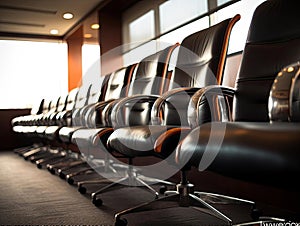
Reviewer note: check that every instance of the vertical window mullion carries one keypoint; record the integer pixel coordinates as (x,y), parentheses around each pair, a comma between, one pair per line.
(212,4)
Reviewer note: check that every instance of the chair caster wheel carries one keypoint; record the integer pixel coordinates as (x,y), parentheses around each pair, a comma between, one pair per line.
(39,166)
(255,213)
(70,180)
(62,176)
(121,222)
(97,201)
(51,170)
(82,190)
(163,189)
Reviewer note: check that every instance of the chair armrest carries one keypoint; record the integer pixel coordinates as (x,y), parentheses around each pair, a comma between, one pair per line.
(80,116)
(156,116)
(284,98)
(64,118)
(93,115)
(214,100)
(128,103)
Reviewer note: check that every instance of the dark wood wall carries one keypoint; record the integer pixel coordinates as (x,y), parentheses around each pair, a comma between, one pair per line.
(9,139)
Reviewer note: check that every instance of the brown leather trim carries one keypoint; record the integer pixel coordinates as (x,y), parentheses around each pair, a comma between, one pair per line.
(133,67)
(165,71)
(104,88)
(217,113)
(222,61)
(169,133)
(100,134)
(167,81)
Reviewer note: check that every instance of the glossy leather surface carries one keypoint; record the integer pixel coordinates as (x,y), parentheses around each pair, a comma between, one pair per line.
(148,80)
(197,65)
(143,144)
(272,44)
(257,152)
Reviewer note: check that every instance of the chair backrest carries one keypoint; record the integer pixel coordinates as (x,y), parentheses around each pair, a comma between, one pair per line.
(111,86)
(118,83)
(149,79)
(273,42)
(46,106)
(47,118)
(82,100)
(82,96)
(200,62)
(38,120)
(54,105)
(71,99)
(38,108)
(151,72)
(62,103)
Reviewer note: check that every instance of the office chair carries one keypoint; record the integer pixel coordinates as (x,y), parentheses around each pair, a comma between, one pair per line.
(113,88)
(30,127)
(47,125)
(226,147)
(81,99)
(18,124)
(200,62)
(149,77)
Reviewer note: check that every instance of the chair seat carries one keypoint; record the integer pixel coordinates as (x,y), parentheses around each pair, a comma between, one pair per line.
(40,130)
(65,133)
(51,133)
(256,152)
(141,140)
(84,138)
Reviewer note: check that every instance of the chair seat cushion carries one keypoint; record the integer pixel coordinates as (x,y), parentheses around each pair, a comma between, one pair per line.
(40,130)
(141,140)
(256,152)
(51,132)
(65,133)
(84,138)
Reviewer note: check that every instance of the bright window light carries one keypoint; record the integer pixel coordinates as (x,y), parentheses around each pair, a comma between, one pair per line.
(240,30)
(175,12)
(142,29)
(31,71)
(91,71)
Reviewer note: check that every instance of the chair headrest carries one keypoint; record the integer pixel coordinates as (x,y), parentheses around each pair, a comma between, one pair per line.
(275,20)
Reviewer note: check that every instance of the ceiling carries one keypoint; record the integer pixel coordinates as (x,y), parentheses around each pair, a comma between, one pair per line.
(35,18)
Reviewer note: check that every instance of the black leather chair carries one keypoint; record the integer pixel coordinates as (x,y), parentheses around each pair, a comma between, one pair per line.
(19,124)
(201,60)
(250,148)
(149,78)
(261,145)
(81,99)
(31,128)
(42,123)
(52,121)
(113,87)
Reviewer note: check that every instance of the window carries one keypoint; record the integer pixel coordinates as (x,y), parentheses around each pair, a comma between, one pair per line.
(137,54)
(240,30)
(31,71)
(176,12)
(188,17)
(91,68)
(221,2)
(179,34)
(142,29)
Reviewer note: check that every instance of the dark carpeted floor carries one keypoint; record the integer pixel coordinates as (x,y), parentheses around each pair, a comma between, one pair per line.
(29,196)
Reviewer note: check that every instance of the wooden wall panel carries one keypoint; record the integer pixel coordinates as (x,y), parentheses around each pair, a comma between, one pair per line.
(8,138)
(75,42)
